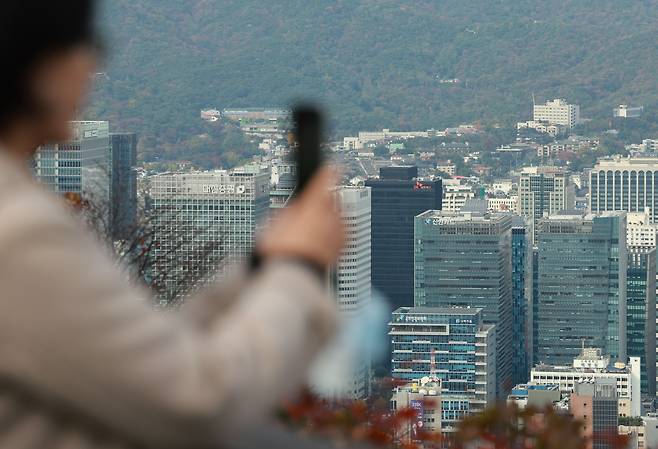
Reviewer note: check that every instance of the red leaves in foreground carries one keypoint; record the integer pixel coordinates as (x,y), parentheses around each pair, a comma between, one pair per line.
(500,427)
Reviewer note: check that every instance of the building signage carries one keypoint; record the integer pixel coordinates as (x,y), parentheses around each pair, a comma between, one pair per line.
(418,407)
(438,221)
(415,319)
(224,189)
(463,321)
(422,186)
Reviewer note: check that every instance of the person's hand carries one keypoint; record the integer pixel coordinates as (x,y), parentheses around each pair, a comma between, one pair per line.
(311,228)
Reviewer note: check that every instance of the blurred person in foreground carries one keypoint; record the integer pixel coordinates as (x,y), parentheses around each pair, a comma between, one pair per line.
(84,360)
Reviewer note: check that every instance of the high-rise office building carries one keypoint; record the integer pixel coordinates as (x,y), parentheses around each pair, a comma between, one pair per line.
(464,260)
(453,345)
(581,286)
(557,112)
(352,275)
(625,184)
(641,313)
(397,197)
(535,304)
(521,303)
(124,184)
(202,219)
(543,191)
(81,166)
(641,237)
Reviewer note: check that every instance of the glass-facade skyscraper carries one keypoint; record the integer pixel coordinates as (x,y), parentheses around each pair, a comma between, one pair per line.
(203,220)
(453,345)
(124,184)
(397,197)
(581,287)
(80,166)
(522,304)
(464,260)
(641,313)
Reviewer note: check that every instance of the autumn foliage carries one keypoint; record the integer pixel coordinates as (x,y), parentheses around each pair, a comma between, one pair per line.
(500,427)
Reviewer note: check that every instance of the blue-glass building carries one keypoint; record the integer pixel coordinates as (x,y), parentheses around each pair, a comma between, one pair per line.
(521,304)
(534,304)
(397,197)
(641,314)
(80,166)
(451,344)
(124,184)
(581,300)
(464,260)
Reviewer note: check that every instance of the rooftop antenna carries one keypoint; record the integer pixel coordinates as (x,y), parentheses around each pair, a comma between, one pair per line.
(534,103)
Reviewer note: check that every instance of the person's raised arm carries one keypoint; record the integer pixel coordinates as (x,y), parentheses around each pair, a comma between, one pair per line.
(74,332)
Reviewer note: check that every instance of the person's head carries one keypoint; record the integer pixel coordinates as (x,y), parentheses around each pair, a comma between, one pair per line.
(47,48)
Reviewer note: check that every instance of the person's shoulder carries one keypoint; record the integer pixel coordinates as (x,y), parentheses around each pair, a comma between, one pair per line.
(24,202)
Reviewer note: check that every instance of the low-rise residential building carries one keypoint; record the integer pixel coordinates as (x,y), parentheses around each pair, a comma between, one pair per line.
(456,196)
(650,145)
(626,111)
(507,204)
(504,186)
(543,127)
(210,115)
(447,167)
(534,395)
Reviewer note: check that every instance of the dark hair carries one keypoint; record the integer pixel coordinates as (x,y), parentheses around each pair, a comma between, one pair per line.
(31,30)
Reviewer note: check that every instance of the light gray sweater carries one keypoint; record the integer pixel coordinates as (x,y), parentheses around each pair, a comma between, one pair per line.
(86,363)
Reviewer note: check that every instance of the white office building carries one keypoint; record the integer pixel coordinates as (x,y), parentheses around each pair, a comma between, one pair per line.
(640,232)
(204,219)
(626,111)
(590,366)
(557,112)
(352,284)
(508,204)
(456,196)
(625,184)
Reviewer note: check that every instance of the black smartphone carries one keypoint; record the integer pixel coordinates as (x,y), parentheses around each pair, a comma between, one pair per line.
(308,127)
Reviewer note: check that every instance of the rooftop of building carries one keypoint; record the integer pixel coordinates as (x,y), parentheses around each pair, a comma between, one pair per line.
(590,360)
(542,170)
(439,310)
(573,215)
(463,217)
(243,170)
(618,161)
(427,386)
(555,102)
(524,389)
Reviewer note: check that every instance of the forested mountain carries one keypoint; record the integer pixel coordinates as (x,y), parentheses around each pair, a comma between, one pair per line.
(373,63)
